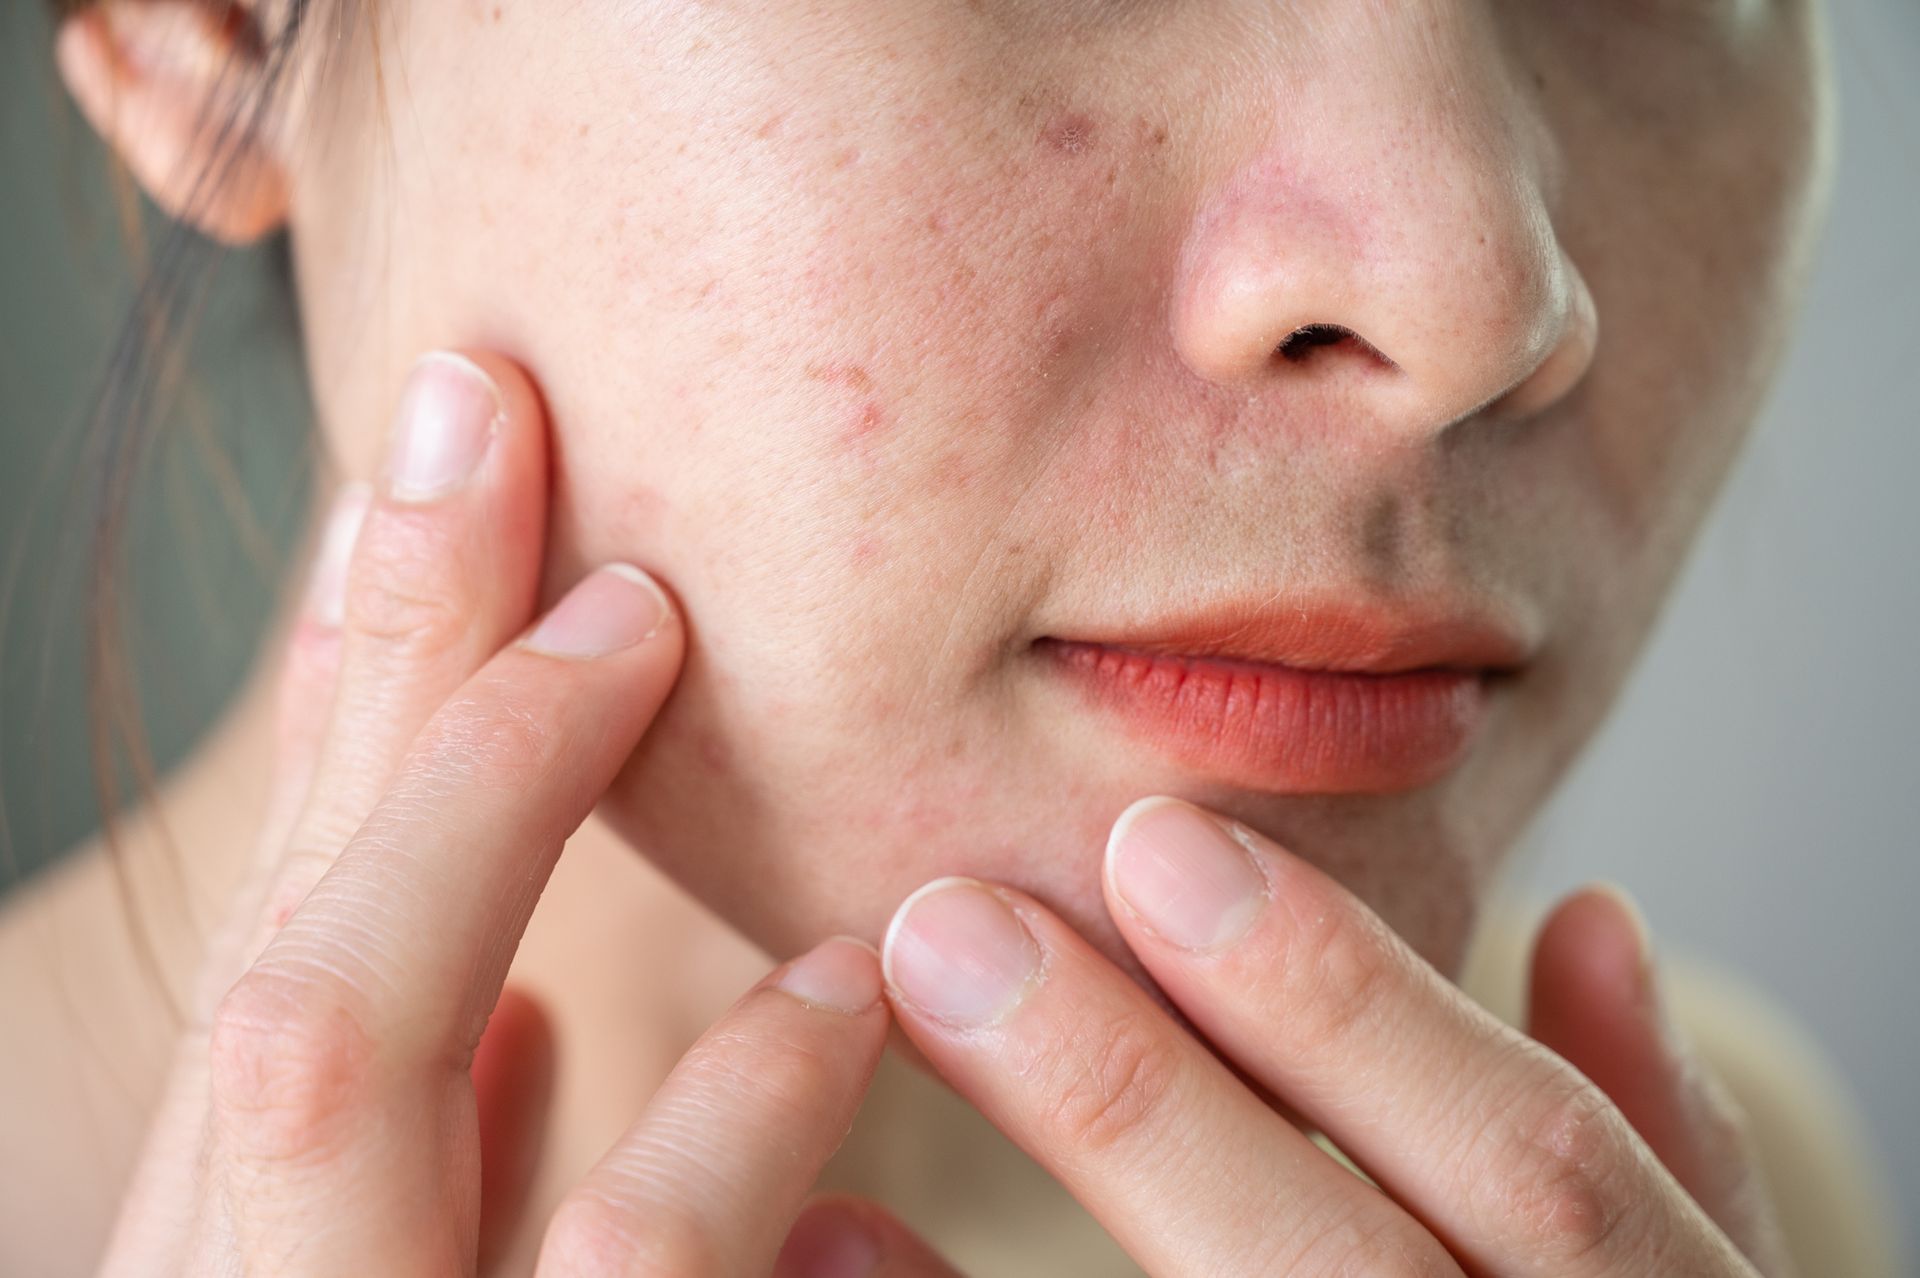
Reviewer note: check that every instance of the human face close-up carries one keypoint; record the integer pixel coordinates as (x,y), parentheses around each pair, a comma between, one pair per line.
(947,361)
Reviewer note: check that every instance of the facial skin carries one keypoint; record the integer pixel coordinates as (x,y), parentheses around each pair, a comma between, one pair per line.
(896,334)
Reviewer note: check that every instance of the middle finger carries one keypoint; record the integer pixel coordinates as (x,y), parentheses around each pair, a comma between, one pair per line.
(1182,1163)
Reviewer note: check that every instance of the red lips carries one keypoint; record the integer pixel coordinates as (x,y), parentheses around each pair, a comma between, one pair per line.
(1300,698)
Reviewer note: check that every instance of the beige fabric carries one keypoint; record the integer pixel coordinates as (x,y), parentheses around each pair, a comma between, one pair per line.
(993,1212)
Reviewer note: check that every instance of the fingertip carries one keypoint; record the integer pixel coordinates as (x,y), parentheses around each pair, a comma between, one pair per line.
(841,974)
(829,1239)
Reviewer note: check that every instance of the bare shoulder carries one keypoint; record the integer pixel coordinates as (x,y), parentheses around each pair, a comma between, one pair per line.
(1813,1142)
(96,954)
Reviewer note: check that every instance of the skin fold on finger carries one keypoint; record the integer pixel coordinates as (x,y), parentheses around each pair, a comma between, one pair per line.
(841,1237)
(710,1178)
(341,1058)
(1594,997)
(1184,1166)
(1518,1162)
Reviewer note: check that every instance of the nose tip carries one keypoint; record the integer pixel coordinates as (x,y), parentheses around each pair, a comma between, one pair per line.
(1426,333)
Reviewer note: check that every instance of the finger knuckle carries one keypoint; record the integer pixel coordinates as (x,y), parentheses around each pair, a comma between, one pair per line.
(401,592)
(289,1063)
(1338,972)
(1111,1083)
(1563,1181)
(593,1234)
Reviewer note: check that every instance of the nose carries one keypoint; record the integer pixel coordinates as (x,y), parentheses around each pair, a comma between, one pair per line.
(1396,260)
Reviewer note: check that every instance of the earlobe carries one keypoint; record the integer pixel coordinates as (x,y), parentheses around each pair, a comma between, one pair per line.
(169,85)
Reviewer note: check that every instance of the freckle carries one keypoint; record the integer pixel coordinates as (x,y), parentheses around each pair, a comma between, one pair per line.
(852,376)
(936,223)
(1071,133)
(496,15)
(952,471)
(847,157)
(766,130)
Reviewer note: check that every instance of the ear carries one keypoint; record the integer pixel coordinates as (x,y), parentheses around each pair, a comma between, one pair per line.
(169,84)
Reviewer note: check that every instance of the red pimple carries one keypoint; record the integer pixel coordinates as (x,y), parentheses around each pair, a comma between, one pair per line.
(1070,132)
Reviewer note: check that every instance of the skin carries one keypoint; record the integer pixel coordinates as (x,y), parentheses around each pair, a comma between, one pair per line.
(1094,238)
(1095,224)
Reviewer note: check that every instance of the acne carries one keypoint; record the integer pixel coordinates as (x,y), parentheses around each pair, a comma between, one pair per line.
(1068,133)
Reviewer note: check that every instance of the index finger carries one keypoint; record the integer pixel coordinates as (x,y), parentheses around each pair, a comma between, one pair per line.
(1510,1155)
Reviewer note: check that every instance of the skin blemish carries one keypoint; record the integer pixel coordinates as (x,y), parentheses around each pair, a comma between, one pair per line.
(868,552)
(1070,133)
(852,376)
(770,125)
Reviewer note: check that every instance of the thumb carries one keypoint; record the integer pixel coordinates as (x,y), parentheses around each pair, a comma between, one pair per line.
(1594,998)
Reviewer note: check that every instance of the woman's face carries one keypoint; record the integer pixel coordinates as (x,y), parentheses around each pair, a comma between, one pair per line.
(904,338)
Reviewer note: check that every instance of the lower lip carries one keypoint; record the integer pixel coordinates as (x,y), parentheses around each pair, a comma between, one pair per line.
(1275,728)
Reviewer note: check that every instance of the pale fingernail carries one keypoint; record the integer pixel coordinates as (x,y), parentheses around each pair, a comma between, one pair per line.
(327,589)
(615,607)
(1186,878)
(827,1243)
(449,413)
(959,954)
(840,975)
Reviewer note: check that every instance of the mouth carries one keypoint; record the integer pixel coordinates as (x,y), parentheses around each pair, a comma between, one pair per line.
(1317,698)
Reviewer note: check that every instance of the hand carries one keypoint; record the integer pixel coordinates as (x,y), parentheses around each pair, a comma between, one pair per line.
(326,1112)
(1486,1152)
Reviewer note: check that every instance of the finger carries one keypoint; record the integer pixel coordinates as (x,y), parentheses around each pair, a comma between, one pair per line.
(854,1238)
(1518,1162)
(1181,1163)
(340,1059)
(709,1180)
(444,571)
(312,664)
(1594,998)
(512,1088)
(304,704)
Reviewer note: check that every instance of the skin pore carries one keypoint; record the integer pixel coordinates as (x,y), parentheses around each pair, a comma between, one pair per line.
(896,335)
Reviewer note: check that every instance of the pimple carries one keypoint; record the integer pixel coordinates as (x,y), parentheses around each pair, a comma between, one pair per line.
(865,421)
(1070,132)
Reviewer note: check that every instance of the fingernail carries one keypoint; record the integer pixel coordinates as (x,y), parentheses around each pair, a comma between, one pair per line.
(956,952)
(327,589)
(840,975)
(827,1243)
(1185,877)
(448,415)
(615,607)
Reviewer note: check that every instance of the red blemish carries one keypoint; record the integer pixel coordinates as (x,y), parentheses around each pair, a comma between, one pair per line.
(770,125)
(715,754)
(869,551)
(643,511)
(1070,132)
(866,420)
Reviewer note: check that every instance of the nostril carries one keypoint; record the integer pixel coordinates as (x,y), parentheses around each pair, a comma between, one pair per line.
(1301,341)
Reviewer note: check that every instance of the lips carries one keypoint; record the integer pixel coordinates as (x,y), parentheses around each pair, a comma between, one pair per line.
(1305,698)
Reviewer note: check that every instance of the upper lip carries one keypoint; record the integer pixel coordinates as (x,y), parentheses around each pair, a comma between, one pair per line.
(1328,633)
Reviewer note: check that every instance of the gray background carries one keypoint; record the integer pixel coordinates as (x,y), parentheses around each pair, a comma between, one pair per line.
(1758,787)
